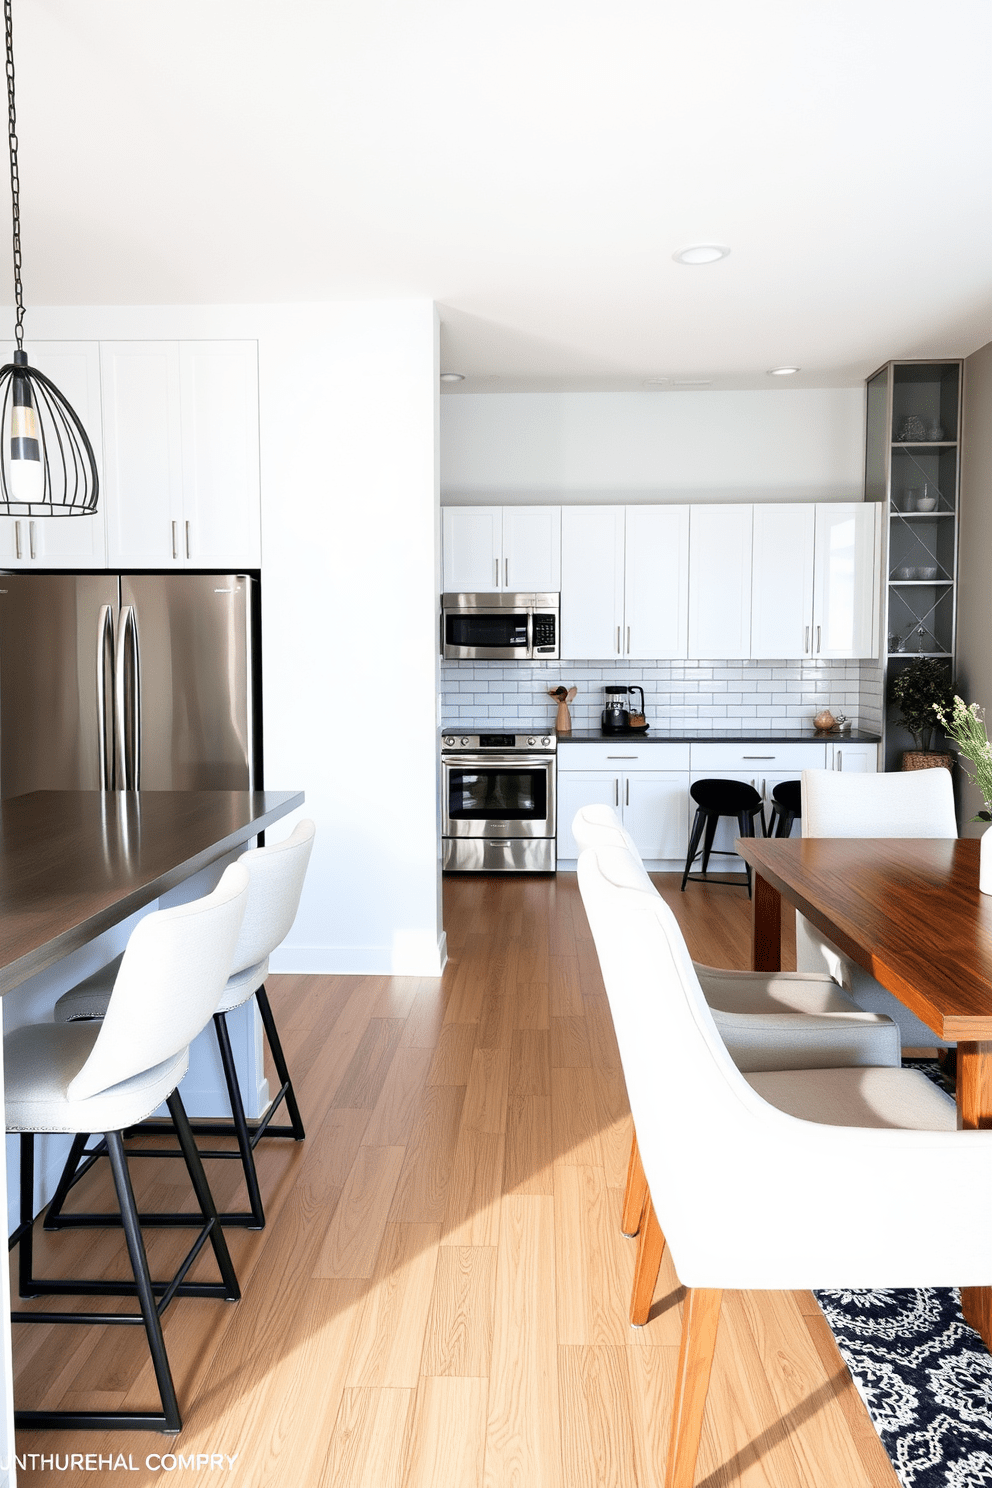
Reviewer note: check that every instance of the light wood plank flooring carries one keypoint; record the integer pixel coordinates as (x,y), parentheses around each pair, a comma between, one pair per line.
(439,1299)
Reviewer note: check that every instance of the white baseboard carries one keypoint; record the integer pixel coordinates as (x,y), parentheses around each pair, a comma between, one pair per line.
(408,956)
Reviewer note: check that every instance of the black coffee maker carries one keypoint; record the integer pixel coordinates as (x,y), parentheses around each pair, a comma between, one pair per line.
(616,715)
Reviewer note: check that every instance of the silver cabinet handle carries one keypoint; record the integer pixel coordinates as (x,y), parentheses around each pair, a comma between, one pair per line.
(128,690)
(626,797)
(806,642)
(619,652)
(175,539)
(628,640)
(616,790)
(758,756)
(506,573)
(496,572)
(105,727)
(17,540)
(31,544)
(840,760)
(187,540)
(817,639)
(623,756)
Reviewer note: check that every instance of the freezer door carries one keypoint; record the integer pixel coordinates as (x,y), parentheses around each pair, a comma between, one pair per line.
(53,643)
(192,658)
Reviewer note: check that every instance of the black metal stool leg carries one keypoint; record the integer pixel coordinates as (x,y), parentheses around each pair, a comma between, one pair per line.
(698,823)
(70,1176)
(23,1236)
(204,1197)
(256,1219)
(146,1297)
(279,1060)
(712,821)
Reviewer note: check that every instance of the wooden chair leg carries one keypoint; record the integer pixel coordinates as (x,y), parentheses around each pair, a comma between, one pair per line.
(700,1319)
(650,1249)
(635,1194)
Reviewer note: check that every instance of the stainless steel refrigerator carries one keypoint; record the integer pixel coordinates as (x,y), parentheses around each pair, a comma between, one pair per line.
(128,681)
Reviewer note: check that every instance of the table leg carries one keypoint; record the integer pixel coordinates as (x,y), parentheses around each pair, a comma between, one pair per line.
(766,926)
(974,1081)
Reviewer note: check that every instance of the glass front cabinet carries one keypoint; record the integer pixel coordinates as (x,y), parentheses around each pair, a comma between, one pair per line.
(913,466)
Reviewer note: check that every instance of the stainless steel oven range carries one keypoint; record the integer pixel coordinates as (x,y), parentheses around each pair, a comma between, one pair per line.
(498,794)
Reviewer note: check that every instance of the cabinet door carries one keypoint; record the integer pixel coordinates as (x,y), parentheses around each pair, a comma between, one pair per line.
(219,412)
(720,582)
(64,542)
(655,812)
(472,547)
(656,609)
(845,590)
(143,453)
(592,562)
(858,758)
(532,549)
(782,581)
(582,788)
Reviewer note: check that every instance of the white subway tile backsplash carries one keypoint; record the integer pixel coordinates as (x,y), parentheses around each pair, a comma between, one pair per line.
(707,694)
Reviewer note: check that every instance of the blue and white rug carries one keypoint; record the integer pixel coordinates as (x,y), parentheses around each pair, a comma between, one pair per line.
(925,1377)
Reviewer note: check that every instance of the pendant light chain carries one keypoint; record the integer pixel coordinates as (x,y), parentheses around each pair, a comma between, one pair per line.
(15,184)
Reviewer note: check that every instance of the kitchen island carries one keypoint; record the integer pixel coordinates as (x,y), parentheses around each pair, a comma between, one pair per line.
(73,864)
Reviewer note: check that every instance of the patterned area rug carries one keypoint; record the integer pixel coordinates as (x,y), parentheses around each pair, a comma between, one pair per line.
(924,1375)
(926,1379)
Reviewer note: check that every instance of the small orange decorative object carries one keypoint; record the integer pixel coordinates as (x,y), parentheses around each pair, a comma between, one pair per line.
(824,722)
(563,696)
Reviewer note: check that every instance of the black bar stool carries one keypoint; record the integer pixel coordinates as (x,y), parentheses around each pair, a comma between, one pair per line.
(716,798)
(787,806)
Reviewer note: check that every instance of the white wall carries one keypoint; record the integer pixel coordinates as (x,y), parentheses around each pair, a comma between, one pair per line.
(780,445)
(348,399)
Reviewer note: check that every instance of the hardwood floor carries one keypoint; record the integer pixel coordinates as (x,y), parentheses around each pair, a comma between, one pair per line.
(439,1298)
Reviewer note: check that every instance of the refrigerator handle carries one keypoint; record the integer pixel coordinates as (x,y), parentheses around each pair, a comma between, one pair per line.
(105,721)
(128,689)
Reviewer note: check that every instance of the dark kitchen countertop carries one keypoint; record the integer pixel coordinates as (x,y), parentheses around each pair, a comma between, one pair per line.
(719,736)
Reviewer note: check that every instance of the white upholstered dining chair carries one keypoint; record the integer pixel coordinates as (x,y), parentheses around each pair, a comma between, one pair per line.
(783,1179)
(104,1077)
(907,803)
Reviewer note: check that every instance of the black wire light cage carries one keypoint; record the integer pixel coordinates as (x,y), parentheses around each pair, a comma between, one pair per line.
(47,465)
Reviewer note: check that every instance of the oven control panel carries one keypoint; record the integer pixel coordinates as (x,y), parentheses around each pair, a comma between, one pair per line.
(503,743)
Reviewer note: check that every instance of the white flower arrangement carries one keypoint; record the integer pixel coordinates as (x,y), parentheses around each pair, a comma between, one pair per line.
(966,726)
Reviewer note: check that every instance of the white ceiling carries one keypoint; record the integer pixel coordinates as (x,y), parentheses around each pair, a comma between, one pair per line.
(531,165)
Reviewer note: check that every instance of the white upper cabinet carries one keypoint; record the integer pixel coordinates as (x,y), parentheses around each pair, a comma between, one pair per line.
(624,575)
(656,588)
(493,549)
(592,581)
(218,386)
(720,582)
(181,432)
(782,581)
(846,580)
(63,542)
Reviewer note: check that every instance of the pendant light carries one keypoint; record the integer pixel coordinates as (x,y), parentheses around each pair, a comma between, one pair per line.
(47,466)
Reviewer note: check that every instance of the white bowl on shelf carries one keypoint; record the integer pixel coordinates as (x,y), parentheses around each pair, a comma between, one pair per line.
(929,573)
(926,503)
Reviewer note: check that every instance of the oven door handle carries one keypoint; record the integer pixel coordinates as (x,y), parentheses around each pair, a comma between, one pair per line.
(502,761)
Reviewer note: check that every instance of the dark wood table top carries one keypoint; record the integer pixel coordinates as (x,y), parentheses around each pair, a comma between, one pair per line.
(74,863)
(908,910)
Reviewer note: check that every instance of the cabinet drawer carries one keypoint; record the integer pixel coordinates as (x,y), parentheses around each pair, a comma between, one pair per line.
(625,754)
(763,758)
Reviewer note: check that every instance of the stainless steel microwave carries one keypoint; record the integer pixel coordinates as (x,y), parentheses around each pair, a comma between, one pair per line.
(499,627)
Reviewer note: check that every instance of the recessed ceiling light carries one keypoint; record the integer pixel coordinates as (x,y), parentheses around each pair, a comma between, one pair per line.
(693,382)
(452,376)
(783,371)
(701,253)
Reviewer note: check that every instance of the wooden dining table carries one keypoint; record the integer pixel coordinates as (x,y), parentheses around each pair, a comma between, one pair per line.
(910,912)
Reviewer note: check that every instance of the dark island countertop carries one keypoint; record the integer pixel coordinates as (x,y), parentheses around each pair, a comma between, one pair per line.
(719,736)
(74,863)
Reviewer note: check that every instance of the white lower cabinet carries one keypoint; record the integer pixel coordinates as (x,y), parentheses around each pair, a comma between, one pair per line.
(647,786)
(861,759)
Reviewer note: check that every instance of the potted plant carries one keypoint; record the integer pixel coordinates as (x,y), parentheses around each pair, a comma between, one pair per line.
(919,689)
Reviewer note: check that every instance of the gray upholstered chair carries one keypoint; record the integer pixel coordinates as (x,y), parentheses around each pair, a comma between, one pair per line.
(104,1077)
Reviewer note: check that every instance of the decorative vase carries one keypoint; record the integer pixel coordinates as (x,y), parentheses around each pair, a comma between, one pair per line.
(563,722)
(985,862)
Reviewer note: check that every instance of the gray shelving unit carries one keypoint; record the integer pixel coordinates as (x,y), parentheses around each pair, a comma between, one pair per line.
(913,465)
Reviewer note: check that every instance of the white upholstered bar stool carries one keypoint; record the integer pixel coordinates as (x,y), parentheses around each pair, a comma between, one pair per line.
(771,1180)
(105,1077)
(276,873)
(906,803)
